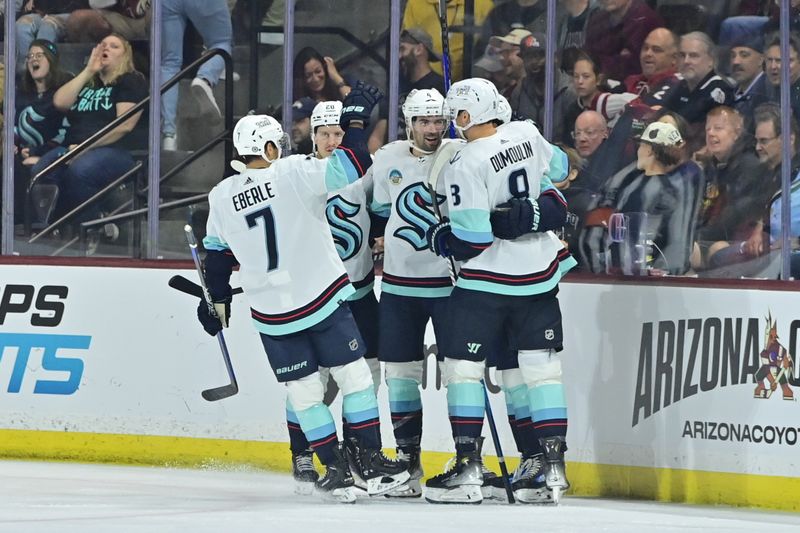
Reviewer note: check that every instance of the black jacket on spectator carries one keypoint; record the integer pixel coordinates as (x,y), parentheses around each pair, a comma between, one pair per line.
(39,125)
(693,105)
(746,103)
(774,95)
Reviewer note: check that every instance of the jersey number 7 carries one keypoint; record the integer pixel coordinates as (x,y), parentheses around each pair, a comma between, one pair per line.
(269,234)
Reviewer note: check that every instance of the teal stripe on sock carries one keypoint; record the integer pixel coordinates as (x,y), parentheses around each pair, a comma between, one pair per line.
(549,396)
(316,422)
(291,416)
(519,395)
(360,406)
(540,415)
(404,395)
(465,399)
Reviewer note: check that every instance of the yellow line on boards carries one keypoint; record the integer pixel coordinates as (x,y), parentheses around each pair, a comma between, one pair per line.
(587,479)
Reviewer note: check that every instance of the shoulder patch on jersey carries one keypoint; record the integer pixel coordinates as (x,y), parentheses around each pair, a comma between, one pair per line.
(395,176)
(718,95)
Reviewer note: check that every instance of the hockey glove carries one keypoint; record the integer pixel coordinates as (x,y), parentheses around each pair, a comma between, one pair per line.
(515,218)
(214,320)
(359,103)
(438,235)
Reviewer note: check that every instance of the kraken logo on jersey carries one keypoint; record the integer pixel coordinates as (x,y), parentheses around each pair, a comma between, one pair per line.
(415,208)
(347,235)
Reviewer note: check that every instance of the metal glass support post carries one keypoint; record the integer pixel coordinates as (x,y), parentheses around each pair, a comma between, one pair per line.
(7,192)
(549,70)
(394,68)
(786,149)
(288,63)
(154,140)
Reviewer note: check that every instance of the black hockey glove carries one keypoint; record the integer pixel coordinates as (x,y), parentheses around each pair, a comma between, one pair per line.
(515,218)
(359,103)
(214,320)
(438,235)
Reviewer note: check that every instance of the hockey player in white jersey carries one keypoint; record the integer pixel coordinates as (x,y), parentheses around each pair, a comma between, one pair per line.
(269,219)
(415,284)
(506,289)
(349,220)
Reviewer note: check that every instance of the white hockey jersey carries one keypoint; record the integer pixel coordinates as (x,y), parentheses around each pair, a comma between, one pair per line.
(515,162)
(348,217)
(273,220)
(401,194)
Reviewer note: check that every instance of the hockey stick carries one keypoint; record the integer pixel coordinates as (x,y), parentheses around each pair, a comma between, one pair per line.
(217,393)
(778,377)
(185,285)
(445,54)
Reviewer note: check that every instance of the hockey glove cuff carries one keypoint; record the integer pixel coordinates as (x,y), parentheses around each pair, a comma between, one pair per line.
(359,103)
(208,320)
(438,234)
(515,218)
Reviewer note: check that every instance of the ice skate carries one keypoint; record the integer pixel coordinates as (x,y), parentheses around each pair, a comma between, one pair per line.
(337,484)
(491,481)
(528,482)
(303,472)
(375,471)
(412,487)
(555,475)
(459,484)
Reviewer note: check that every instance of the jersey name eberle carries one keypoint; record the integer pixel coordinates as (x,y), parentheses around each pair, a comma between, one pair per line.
(513,154)
(253,196)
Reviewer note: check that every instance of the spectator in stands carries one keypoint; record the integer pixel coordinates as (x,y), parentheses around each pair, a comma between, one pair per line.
(572,30)
(39,126)
(107,87)
(514,67)
(615,34)
(590,132)
(424,14)
(767,119)
(747,69)
(591,94)
(527,99)
(773,71)
(301,125)
(128,18)
(212,20)
(530,15)
(755,18)
(658,60)
(701,89)
(733,181)
(416,56)
(317,77)
(490,66)
(45,19)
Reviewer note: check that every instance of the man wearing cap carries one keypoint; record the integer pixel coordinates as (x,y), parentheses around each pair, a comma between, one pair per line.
(527,99)
(615,34)
(528,14)
(513,66)
(747,69)
(416,56)
(490,66)
(301,125)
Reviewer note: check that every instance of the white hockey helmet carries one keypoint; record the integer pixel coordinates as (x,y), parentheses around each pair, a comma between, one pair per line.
(252,133)
(476,96)
(326,114)
(422,103)
(503,109)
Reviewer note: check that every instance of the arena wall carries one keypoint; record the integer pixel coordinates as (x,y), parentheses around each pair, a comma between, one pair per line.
(107,364)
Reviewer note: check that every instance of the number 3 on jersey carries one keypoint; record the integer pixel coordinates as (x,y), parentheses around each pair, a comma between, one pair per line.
(454,190)
(269,234)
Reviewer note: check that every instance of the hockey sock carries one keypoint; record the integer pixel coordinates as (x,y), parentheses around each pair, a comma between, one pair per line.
(406,407)
(548,407)
(524,434)
(320,430)
(466,407)
(360,409)
(297,440)
(512,420)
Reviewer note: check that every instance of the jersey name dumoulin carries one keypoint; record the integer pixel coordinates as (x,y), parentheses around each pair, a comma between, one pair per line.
(514,154)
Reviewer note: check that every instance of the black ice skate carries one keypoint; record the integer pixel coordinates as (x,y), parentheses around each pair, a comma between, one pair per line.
(459,484)
(412,489)
(303,472)
(555,474)
(491,481)
(377,473)
(337,484)
(528,482)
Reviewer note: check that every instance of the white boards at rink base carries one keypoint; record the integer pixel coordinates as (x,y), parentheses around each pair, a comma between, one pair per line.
(107,364)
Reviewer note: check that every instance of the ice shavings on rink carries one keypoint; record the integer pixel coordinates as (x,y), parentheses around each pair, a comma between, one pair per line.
(67,497)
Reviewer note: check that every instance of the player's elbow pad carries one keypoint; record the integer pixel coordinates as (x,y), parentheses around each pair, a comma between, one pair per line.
(219,265)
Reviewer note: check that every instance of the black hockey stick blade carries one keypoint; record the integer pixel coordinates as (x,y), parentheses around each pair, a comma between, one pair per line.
(188,286)
(220,393)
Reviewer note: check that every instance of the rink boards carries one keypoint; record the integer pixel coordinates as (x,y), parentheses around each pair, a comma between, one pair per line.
(107,364)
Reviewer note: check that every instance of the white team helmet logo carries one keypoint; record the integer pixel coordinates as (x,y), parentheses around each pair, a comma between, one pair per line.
(252,133)
(476,96)
(422,103)
(503,109)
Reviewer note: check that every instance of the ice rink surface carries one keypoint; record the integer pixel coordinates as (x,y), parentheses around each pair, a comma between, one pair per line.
(67,497)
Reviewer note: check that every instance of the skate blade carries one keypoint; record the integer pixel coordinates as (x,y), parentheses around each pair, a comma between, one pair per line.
(556,495)
(383,484)
(341,495)
(469,494)
(411,489)
(304,488)
(534,496)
